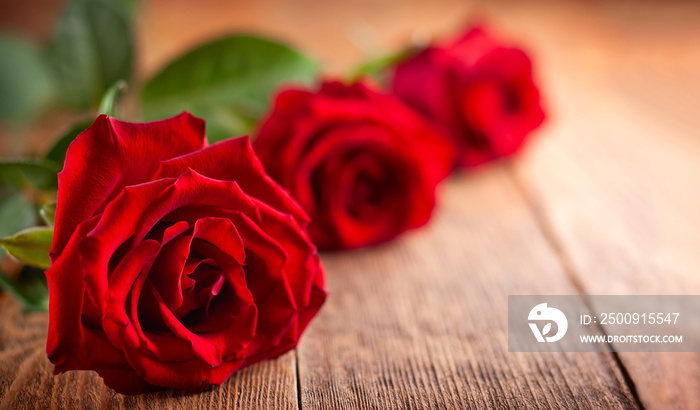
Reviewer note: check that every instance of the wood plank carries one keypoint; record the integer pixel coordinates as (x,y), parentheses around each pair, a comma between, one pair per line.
(421,322)
(625,233)
(27,381)
(615,178)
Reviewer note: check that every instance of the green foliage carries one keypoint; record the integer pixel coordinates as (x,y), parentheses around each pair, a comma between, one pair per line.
(57,153)
(227,82)
(379,68)
(48,213)
(30,246)
(16,213)
(108,105)
(25,82)
(30,289)
(39,173)
(92,49)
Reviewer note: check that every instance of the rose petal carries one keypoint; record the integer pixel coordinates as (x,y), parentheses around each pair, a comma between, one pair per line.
(65,277)
(264,253)
(300,252)
(289,105)
(126,381)
(222,233)
(121,283)
(234,160)
(432,98)
(275,316)
(192,189)
(168,270)
(110,155)
(191,376)
(212,347)
(117,224)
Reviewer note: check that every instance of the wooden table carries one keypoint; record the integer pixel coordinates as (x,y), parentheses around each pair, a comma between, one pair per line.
(606,200)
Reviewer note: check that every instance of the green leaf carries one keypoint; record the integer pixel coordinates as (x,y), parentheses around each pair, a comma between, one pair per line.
(92,49)
(57,153)
(128,7)
(16,213)
(48,212)
(378,67)
(227,82)
(30,246)
(31,291)
(39,173)
(25,82)
(108,104)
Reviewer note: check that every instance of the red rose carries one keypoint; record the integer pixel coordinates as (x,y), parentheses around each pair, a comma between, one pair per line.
(174,263)
(361,163)
(479,91)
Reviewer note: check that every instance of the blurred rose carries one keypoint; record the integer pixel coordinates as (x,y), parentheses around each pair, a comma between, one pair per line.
(175,263)
(361,163)
(477,90)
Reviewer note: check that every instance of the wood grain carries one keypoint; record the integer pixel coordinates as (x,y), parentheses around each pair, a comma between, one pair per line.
(421,322)
(605,201)
(615,180)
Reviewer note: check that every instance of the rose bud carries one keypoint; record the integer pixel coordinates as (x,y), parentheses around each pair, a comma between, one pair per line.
(361,163)
(479,91)
(174,263)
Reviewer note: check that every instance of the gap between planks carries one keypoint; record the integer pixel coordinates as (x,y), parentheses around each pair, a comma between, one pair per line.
(548,233)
